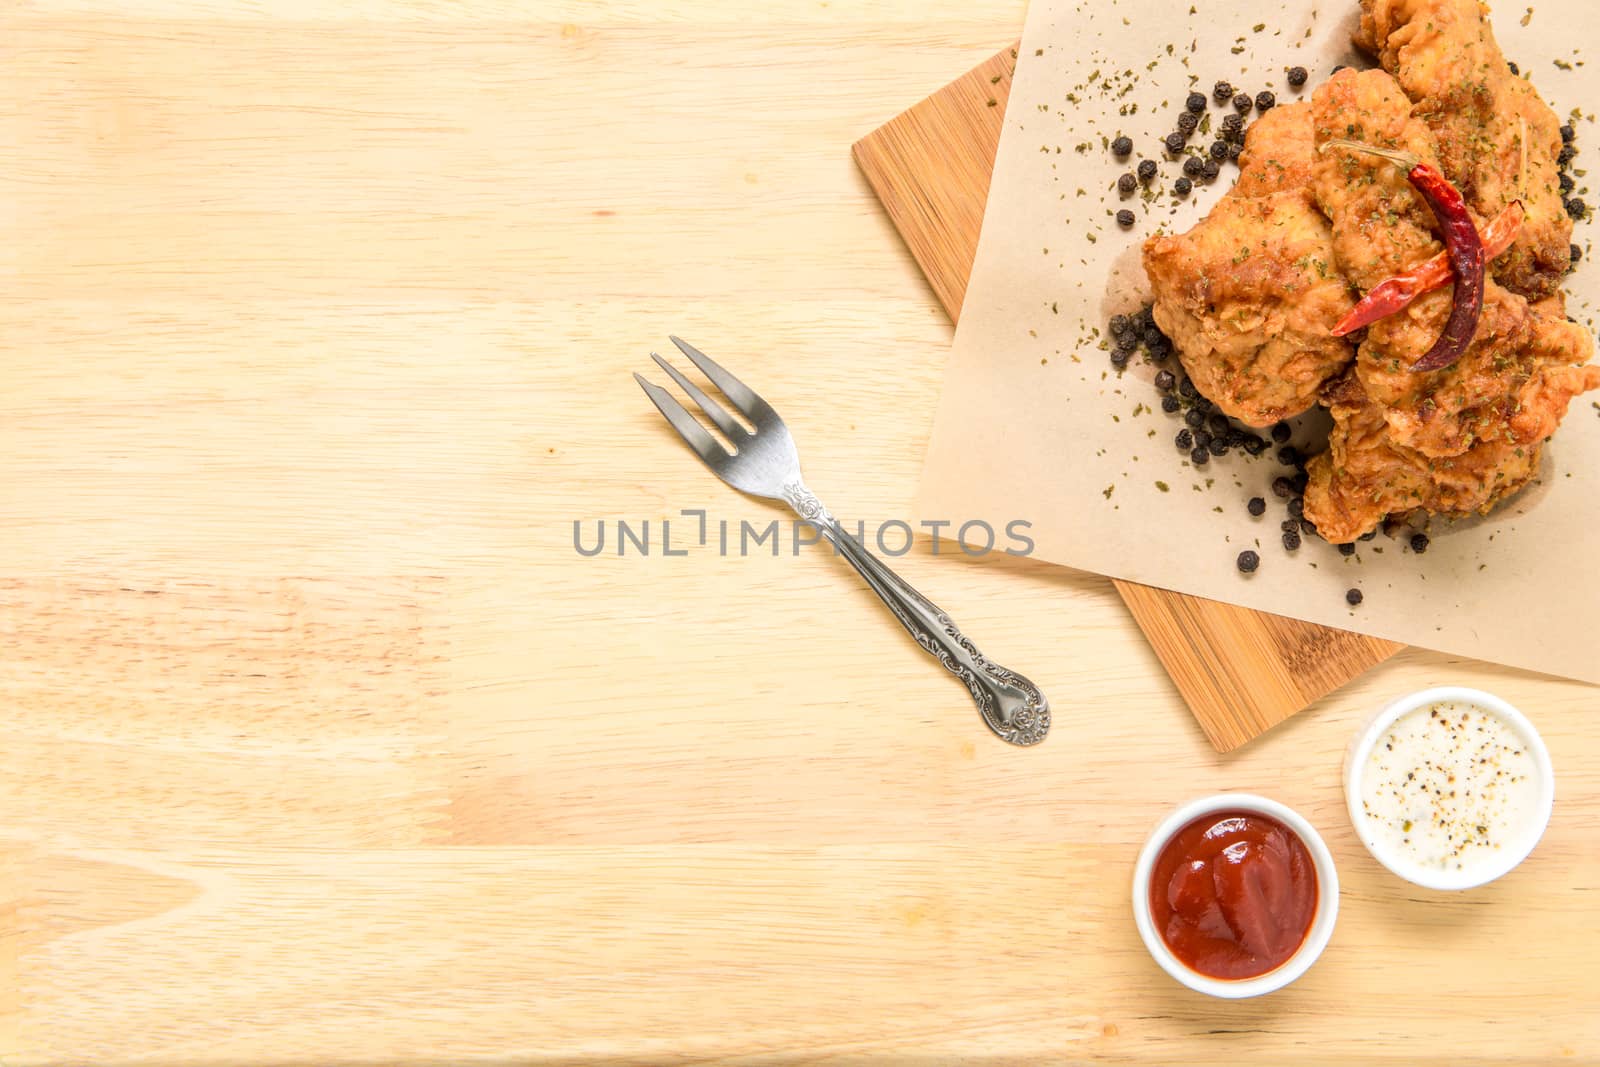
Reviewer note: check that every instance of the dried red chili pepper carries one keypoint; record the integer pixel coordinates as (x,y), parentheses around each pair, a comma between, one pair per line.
(1462,245)
(1393,294)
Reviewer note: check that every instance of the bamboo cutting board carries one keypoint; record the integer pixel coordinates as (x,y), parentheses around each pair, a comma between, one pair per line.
(1240,671)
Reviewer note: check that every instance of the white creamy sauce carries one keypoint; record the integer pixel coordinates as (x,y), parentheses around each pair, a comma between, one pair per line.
(1449,785)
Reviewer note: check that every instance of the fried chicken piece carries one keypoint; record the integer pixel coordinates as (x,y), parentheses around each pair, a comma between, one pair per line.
(1512,385)
(1249,296)
(1364,475)
(1514,382)
(1444,54)
(1381,225)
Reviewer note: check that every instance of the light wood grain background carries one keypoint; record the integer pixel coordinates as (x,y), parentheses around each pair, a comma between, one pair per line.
(321,744)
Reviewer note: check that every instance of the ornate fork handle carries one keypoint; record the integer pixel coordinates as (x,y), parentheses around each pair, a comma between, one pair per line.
(1011,705)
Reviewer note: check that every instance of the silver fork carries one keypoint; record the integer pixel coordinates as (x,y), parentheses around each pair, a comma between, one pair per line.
(766,464)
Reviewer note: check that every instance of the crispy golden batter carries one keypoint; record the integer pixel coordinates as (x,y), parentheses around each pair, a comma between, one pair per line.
(1453,441)
(1364,475)
(1518,374)
(1249,295)
(1444,54)
(1513,384)
(1381,226)
(1277,152)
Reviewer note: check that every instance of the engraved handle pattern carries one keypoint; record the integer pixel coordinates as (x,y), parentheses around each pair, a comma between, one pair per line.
(1011,705)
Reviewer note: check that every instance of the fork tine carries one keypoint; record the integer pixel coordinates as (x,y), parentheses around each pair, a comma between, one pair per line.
(693,434)
(743,397)
(714,411)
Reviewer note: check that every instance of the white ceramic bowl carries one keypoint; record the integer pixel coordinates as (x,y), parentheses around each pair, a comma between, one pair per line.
(1355,761)
(1321,922)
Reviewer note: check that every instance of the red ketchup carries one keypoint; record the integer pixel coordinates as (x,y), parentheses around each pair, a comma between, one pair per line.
(1233,894)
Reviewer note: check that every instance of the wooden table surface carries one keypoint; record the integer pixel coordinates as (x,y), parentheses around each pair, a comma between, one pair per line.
(320,742)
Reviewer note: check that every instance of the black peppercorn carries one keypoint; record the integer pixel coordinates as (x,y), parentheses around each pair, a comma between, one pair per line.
(1119,358)
(1257,506)
(1160,349)
(1347,549)
(1234,151)
(1265,101)
(1513,68)
(1153,336)
(1182,186)
(1122,146)
(1297,507)
(1297,76)
(1221,91)
(1352,597)
(1145,317)
(1289,525)
(1280,432)
(1210,171)
(1202,439)
(1574,253)
(1170,405)
(1218,150)
(1565,155)
(1147,170)
(1248,561)
(1127,341)
(1127,184)
(1199,457)
(1187,390)
(1196,102)
(1308,527)
(1241,103)
(1369,535)
(1174,143)
(1125,218)
(1577,208)
(1568,133)
(1281,488)
(1184,440)
(1218,446)
(1298,481)
(1188,122)
(1165,380)
(1193,165)
(1291,539)
(1255,445)
(1419,543)
(1219,424)
(1289,456)
(1565,181)
(1120,324)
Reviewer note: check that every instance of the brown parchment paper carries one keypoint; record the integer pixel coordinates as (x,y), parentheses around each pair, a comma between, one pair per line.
(1034,424)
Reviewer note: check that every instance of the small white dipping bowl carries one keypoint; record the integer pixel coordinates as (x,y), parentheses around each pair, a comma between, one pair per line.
(1479,872)
(1321,922)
